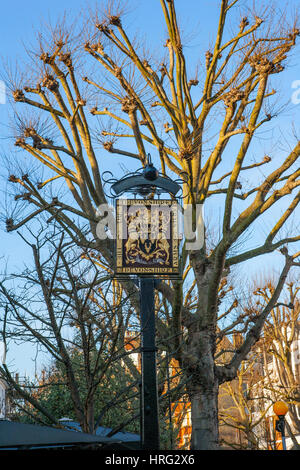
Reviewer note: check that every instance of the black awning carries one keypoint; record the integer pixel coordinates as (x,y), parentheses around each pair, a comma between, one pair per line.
(19,436)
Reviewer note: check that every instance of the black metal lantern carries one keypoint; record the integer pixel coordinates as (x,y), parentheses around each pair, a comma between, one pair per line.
(150,172)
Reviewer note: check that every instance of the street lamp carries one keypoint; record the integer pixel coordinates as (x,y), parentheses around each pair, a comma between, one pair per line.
(280,409)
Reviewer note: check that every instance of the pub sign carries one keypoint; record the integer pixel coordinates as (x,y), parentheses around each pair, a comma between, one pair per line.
(147,237)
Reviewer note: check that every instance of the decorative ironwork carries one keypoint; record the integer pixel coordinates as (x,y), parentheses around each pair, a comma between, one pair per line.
(143,182)
(136,184)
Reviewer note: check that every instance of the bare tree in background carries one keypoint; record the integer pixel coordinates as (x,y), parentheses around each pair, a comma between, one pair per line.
(203,129)
(281,347)
(245,397)
(269,373)
(69,309)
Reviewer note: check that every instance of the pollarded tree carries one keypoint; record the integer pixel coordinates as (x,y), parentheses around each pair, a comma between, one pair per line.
(203,128)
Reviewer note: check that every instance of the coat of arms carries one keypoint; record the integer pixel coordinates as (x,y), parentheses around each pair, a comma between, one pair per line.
(147,236)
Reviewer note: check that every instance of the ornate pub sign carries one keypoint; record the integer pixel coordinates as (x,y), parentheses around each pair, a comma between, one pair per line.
(147,237)
(147,246)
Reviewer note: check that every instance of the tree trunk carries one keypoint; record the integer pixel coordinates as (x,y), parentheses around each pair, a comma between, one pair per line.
(89,418)
(203,389)
(204,411)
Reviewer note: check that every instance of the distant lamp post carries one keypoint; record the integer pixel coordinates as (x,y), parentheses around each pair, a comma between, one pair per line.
(280,409)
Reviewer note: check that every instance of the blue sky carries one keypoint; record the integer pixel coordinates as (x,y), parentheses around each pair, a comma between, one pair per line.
(19,23)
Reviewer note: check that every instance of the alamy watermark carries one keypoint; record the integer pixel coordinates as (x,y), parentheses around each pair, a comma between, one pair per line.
(2,353)
(296,94)
(2,92)
(155,223)
(295,351)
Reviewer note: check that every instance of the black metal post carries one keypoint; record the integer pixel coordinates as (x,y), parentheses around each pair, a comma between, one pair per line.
(150,421)
(280,427)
